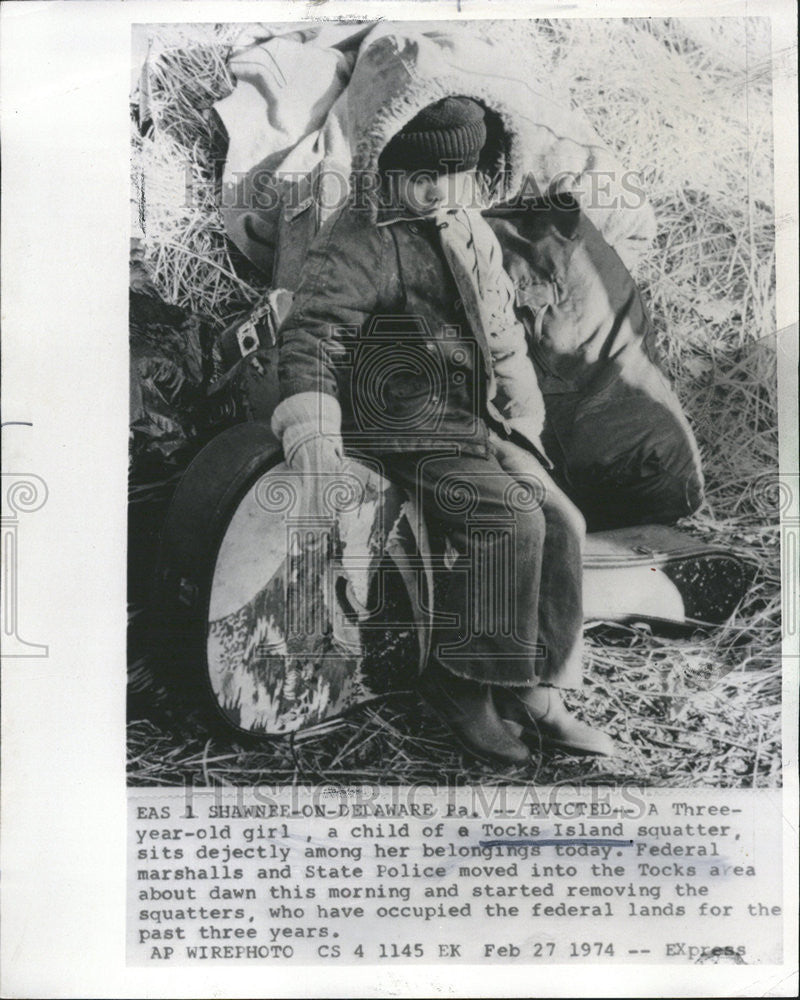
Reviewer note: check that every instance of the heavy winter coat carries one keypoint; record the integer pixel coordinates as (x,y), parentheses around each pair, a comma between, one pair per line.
(379,318)
(378,322)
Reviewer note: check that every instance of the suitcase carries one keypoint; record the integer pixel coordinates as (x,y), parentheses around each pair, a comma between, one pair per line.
(277,639)
(660,576)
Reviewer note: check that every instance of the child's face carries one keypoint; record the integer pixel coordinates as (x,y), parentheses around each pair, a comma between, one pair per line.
(424,194)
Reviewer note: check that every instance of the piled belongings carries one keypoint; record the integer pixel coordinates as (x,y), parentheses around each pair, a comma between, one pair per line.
(167,350)
(622,448)
(305,122)
(308,114)
(187,382)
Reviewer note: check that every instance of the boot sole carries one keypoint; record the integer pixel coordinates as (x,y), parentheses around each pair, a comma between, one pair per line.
(545,744)
(482,755)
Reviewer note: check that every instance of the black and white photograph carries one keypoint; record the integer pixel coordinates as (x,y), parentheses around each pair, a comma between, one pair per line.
(401,507)
(453,430)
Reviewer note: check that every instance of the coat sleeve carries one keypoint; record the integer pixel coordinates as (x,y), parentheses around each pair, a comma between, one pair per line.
(337,295)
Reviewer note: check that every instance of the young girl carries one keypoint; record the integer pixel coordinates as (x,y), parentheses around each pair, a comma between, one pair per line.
(402,341)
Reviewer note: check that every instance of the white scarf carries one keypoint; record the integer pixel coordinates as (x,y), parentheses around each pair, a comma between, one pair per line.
(487,293)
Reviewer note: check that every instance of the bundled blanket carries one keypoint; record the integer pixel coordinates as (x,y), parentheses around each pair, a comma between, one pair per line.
(311,105)
(622,448)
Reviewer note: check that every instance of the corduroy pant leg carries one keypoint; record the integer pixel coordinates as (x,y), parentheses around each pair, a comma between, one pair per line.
(560,608)
(488,535)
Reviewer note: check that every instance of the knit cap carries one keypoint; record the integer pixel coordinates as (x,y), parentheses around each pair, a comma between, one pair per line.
(445,137)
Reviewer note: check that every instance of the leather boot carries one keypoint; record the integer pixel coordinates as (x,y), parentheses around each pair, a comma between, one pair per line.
(547,724)
(469,711)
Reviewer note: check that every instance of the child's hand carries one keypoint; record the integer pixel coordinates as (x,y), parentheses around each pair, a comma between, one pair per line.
(308,425)
(319,462)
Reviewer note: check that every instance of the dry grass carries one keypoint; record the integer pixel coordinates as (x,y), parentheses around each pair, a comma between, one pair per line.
(688,104)
(175,167)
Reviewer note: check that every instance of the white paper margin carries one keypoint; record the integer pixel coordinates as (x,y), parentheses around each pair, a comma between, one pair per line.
(64,83)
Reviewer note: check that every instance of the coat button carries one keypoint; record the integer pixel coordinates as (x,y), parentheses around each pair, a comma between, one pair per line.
(413,228)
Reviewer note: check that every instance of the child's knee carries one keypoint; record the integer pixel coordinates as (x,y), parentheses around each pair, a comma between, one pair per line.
(530,526)
(563,512)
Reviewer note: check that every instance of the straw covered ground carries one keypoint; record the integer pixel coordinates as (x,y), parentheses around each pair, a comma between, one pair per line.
(688,105)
